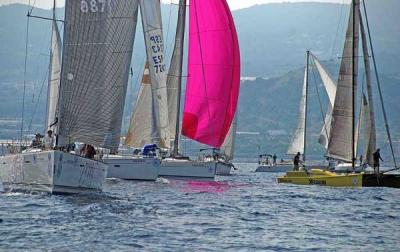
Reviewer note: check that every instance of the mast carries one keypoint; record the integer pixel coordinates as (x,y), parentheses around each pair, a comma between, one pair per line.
(178,53)
(306,105)
(353,81)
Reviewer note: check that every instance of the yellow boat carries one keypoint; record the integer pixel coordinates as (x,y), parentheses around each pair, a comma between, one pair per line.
(321,177)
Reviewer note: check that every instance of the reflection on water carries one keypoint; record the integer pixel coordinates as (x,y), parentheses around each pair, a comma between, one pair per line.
(246,212)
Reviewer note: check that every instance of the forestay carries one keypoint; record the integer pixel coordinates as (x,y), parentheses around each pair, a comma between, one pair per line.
(154,40)
(142,125)
(298,141)
(98,42)
(213,73)
(54,76)
(341,142)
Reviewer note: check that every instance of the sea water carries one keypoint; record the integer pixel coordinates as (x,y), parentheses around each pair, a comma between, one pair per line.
(244,212)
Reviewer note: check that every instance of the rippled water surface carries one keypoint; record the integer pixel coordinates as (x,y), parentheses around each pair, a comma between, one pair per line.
(247,212)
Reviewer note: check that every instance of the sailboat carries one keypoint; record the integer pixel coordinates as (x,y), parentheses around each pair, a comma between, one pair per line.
(227,150)
(308,175)
(137,167)
(343,134)
(212,87)
(98,39)
(298,142)
(143,127)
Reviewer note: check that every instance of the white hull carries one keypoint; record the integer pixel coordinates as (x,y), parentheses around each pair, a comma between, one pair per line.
(53,172)
(132,168)
(346,168)
(223,169)
(275,168)
(187,169)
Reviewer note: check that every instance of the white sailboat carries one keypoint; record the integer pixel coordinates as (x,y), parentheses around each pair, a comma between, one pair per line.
(98,39)
(141,130)
(224,161)
(176,165)
(344,135)
(297,143)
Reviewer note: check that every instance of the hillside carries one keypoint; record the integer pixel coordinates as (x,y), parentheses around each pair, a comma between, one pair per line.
(273,40)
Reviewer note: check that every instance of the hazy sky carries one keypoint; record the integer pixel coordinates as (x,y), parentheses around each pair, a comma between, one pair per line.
(234,4)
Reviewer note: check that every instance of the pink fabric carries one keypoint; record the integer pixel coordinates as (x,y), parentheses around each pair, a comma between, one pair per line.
(212,88)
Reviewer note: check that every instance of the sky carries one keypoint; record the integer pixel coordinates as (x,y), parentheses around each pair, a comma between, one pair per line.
(234,4)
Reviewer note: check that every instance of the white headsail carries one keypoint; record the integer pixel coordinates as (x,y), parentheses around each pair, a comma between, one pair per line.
(97,51)
(228,147)
(154,40)
(142,125)
(298,141)
(330,87)
(341,143)
(174,80)
(54,75)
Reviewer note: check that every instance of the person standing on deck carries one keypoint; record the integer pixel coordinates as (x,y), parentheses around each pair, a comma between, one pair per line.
(48,140)
(377,158)
(296,162)
(361,160)
(274,159)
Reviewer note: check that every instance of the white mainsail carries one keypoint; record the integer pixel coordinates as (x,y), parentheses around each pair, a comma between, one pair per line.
(297,143)
(228,147)
(141,128)
(340,142)
(97,51)
(154,40)
(370,129)
(54,75)
(330,87)
(174,80)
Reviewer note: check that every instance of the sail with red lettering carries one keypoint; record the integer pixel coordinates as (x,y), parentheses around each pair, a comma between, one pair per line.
(212,87)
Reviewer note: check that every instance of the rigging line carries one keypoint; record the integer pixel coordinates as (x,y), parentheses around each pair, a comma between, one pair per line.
(379,86)
(337,29)
(24,82)
(38,101)
(319,97)
(169,22)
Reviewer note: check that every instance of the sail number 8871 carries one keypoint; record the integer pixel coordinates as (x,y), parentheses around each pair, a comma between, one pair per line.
(95,5)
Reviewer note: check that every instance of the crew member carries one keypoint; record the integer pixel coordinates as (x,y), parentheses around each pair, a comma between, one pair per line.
(377,158)
(48,140)
(296,162)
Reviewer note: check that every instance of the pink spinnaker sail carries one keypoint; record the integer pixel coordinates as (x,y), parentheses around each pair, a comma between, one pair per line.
(212,88)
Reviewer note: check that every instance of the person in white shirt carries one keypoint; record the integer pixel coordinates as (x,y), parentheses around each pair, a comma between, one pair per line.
(48,140)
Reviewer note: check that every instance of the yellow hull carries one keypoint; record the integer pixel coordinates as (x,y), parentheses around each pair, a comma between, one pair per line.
(320,177)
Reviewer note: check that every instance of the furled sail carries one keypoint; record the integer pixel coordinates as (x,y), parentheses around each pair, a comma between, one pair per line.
(142,125)
(174,80)
(341,142)
(370,129)
(97,51)
(54,76)
(330,87)
(228,147)
(154,40)
(366,117)
(297,143)
(212,88)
